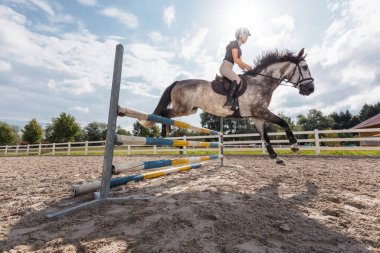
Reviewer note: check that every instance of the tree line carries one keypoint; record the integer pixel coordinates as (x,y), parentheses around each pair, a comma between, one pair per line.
(65,128)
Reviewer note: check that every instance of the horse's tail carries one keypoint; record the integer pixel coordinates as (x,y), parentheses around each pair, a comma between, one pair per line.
(162,105)
(165,100)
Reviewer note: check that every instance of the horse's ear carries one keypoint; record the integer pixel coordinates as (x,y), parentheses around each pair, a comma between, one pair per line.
(300,54)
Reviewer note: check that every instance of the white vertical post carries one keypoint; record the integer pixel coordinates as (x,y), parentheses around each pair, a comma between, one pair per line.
(317,144)
(221,139)
(69,148)
(263,149)
(39,148)
(86,148)
(53,149)
(155,149)
(128,149)
(184,147)
(17,149)
(6,149)
(27,149)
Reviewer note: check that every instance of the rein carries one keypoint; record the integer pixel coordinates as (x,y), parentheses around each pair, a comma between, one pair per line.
(294,85)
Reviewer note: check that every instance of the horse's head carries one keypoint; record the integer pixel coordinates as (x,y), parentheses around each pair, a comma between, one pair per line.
(301,76)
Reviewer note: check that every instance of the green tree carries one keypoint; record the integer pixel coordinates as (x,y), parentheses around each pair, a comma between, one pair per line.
(32,132)
(354,121)
(81,135)
(96,131)
(315,120)
(139,130)
(368,111)
(230,125)
(62,129)
(210,121)
(122,131)
(8,134)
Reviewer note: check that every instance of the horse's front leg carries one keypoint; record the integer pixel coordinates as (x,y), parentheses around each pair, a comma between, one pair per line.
(273,118)
(260,125)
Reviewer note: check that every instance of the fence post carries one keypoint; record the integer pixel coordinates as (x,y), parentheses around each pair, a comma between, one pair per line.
(6,150)
(86,149)
(263,149)
(53,148)
(155,149)
(128,149)
(221,140)
(17,149)
(69,148)
(317,145)
(39,148)
(27,149)
(184,147)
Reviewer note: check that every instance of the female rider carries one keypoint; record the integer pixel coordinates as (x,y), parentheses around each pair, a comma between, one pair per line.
(233,55)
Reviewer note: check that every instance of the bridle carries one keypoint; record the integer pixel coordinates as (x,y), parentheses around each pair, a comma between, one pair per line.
(300,80)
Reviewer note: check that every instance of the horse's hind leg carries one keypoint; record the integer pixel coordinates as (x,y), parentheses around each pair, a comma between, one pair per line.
(176,111)
(260,126)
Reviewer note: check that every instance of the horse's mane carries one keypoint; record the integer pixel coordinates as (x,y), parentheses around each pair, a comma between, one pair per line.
(271,57)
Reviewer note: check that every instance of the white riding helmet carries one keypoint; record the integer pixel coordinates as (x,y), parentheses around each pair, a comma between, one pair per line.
(240,31)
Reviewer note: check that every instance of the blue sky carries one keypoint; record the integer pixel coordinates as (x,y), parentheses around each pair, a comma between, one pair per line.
(57,56)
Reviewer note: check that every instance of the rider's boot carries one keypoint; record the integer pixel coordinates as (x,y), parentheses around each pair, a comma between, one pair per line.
(231,101)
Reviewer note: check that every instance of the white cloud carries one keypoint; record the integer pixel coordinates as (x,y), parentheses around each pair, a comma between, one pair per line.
(276,32)
(151,64)
(191,44)
(123,17)
(44,5)
(37,4)
(74,86)
(353,33)
(355,74)
(148,52)
(156,37)
(169,15)
(138,88)
(80,109)
(87,2)
(5,66)
(76,61)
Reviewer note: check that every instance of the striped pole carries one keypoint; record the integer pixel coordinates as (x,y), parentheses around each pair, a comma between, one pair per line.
(93,186)
(123,111)
(137,140)
(116,169)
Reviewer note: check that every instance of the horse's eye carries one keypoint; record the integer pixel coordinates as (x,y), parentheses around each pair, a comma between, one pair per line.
(304,67)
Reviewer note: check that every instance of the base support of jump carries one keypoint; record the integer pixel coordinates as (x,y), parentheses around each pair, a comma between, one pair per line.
(97,200)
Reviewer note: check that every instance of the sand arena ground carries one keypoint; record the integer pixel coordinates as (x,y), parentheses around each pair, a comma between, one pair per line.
(309,205)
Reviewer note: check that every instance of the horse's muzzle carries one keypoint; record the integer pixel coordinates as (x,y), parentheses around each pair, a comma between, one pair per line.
(306,88)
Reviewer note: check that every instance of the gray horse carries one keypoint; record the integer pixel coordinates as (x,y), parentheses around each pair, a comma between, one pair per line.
(270,70)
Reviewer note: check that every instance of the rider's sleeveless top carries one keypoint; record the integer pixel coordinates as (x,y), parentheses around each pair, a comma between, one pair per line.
(232,45)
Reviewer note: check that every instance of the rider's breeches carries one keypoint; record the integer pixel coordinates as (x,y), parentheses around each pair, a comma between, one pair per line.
(226,71)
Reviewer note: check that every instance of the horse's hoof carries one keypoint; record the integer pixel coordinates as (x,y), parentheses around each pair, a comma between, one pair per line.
(280,161)
(294,147)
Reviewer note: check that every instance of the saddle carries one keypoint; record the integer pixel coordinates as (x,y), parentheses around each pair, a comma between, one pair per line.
(221,85)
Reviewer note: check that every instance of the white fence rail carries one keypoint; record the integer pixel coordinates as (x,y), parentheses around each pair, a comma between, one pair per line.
(308,140)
